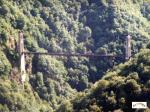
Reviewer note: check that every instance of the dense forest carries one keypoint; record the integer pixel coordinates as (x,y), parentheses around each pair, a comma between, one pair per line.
(117,89)
(74,84)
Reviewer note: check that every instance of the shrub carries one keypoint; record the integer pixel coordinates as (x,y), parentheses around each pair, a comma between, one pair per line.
(19,23)
(45,2)
(39,78)
(34,12)
(65,107)
(85,34)
(5,66)
(4,108)
(3,37)
(148,84)
(4,10)
(51,67)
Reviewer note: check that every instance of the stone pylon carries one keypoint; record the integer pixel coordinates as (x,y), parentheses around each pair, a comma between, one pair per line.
(128,48)
(22,57)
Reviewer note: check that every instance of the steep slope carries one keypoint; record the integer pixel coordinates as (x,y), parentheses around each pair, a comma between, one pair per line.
(14,98)
(117,90)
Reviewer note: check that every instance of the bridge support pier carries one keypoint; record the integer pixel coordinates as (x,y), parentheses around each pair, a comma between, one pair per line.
(128,48)
(22,58)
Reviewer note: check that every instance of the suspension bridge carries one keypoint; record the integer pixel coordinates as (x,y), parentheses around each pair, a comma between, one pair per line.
(22,53)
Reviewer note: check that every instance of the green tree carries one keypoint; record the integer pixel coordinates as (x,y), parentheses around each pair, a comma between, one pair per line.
(5,66)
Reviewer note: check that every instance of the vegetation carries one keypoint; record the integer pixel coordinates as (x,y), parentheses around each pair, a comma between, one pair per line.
(5,65)
(74,26)
(14,98)
(117,89)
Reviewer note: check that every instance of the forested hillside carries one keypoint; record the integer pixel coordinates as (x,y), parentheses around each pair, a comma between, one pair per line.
(72,26)
(117,90)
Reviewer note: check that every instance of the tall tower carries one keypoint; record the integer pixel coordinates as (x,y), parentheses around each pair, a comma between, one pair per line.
(128,47)
(22,57)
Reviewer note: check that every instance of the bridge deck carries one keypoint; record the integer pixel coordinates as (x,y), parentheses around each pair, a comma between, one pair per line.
(70,54)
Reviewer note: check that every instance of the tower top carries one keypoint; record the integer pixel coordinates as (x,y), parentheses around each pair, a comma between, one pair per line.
(128,37)
(21,34)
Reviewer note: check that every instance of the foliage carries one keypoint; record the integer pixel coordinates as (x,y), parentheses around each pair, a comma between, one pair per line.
(13,98)
(77,26)
(5,66)
(118,88)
